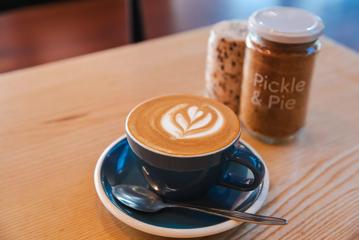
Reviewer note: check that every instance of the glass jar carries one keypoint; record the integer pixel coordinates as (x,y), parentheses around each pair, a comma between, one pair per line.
(224,65)
(281,47)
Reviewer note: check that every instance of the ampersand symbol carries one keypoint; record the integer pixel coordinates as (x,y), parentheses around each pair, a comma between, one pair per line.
(255,98)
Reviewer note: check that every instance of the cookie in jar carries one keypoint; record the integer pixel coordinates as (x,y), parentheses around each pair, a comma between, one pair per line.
(225,56)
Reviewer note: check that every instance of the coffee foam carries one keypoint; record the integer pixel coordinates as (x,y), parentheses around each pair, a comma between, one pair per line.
(183,125)
(191,121)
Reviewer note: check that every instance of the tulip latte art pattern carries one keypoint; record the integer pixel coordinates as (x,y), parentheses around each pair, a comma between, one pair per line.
(190,121)
(183,125)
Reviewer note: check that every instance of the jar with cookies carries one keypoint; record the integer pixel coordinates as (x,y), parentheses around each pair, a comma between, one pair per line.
(225,55)
(282,44)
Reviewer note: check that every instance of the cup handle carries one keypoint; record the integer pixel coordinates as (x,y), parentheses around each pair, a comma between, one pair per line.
(243,156)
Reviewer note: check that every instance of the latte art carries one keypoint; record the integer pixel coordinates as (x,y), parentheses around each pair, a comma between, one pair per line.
(191,121)
(183,125)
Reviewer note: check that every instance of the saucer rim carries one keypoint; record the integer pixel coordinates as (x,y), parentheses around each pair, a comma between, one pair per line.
(173,232)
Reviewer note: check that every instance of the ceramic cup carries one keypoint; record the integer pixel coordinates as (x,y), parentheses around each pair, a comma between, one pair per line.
(188,177)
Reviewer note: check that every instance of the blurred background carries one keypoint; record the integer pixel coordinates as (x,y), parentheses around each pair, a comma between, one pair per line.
(38,31)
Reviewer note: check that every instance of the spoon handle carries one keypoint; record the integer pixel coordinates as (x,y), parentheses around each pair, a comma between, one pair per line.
(235,215)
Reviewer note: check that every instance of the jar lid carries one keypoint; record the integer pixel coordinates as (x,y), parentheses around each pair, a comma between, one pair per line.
(286,25)
(231,29)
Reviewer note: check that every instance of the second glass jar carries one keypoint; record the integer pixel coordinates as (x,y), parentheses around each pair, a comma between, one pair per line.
(276,82)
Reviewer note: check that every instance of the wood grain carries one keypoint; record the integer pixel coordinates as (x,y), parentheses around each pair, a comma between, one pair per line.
(56,119)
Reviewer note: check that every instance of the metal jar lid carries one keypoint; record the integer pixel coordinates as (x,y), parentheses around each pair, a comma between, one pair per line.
(286,25)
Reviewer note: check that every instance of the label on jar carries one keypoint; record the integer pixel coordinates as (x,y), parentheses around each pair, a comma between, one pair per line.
(279,92)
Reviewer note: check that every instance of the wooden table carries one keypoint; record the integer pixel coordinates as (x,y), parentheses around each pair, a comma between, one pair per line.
(56,119)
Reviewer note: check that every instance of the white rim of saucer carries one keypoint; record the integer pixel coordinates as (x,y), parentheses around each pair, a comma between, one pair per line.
(170,232)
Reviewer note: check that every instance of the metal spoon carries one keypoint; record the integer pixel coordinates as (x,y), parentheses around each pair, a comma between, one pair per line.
(145,200)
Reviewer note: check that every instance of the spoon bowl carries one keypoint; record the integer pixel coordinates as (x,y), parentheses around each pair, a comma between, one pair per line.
(138,198)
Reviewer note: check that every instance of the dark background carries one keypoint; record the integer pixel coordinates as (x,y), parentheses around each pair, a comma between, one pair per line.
(40,31)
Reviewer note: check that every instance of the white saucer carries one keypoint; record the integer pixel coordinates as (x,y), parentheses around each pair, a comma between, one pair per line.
(125,215)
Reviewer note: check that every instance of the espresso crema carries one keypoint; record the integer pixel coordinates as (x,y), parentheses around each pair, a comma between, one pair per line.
(183,125)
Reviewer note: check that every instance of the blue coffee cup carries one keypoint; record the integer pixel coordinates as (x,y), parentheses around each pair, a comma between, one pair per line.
(189,177)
